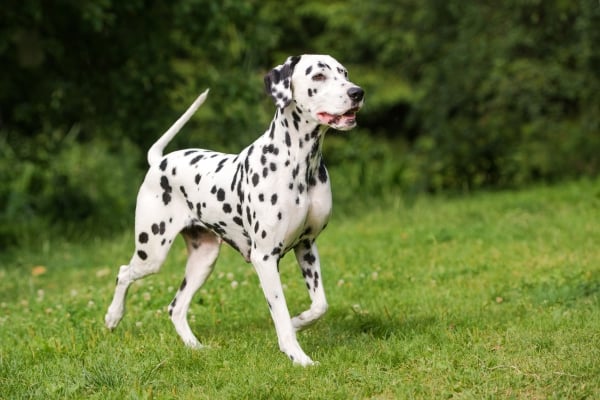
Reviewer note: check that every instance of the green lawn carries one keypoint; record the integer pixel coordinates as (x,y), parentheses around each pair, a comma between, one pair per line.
(496,295)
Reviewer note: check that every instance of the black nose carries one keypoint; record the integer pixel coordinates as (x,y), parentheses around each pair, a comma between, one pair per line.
(356,93)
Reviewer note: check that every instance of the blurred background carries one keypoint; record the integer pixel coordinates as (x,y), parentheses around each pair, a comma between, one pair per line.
(461,96)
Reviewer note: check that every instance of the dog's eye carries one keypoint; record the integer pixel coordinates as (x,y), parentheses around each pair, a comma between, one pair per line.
(318,77)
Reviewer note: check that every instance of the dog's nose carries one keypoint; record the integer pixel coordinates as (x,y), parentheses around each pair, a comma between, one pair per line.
(355,93)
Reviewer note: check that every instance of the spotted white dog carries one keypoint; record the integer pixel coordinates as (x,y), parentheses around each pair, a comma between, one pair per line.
(271,198)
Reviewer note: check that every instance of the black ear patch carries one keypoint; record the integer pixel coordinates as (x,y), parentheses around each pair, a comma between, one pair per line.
(278,82)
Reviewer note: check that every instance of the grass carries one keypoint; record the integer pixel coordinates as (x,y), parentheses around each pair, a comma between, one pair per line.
(496,295)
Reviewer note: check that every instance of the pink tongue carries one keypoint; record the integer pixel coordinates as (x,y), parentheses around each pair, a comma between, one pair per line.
(327,118)
(330,119)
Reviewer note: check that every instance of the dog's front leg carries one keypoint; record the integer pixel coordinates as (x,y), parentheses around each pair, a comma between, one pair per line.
(266,266)
(308,260)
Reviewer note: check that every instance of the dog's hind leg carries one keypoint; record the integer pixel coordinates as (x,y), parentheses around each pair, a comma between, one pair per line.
(153,241)
(203,249)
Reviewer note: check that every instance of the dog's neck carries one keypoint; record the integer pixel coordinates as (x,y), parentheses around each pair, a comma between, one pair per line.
(299,136)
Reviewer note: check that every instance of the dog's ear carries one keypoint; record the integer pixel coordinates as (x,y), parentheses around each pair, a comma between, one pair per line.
(278,82)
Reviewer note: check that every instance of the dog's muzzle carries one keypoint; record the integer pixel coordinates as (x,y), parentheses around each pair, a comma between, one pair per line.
(346,120)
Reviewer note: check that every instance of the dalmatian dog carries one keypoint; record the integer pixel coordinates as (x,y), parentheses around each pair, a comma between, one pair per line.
(271,198)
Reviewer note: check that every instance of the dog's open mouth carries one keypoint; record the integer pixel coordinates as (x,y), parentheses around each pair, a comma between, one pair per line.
(347,119)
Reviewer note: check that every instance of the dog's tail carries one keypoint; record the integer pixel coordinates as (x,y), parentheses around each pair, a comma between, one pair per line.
(156,151)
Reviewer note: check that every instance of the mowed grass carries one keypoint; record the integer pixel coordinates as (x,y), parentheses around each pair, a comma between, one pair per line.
(496,295)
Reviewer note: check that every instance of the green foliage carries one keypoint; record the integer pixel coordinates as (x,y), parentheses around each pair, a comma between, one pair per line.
(504,87)
(461,95)
(89,186)
(487,296)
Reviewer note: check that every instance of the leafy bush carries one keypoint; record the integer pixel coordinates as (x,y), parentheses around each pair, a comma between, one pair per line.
(60,182)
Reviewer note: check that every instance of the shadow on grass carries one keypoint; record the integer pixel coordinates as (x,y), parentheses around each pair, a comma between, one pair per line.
(380,325)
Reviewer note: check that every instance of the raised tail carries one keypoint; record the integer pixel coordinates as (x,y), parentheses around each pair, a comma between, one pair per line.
(156,151)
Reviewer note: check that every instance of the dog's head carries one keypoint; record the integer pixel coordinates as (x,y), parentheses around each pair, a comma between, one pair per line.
(319,86)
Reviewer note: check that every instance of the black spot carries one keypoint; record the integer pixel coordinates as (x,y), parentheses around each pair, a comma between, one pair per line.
(279,216)
(265,258)
(322,173)
(271,149)
(263,234)
(161,228)
(308,70)
(272,132)
(174,171)
(143,238)
(276,250)
(300,188)
(196,159)
(183,284)
(288,139)
(265,172)
(273,167)
(142,254)
(155,229)
(182,189)
(255,179)
(187,153)
(163,164)
(315,133)
(309,258)
(220,166)
(227,208)
(197,179)
(310,92)
(164,184)
(220,195)
(238,221)
(274,199)
(261,197)
(263,159)
(248,215)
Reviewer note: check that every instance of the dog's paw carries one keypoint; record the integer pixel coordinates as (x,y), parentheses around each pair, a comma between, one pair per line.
(298,357)
(302,360)
(193,344)
(111,320)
